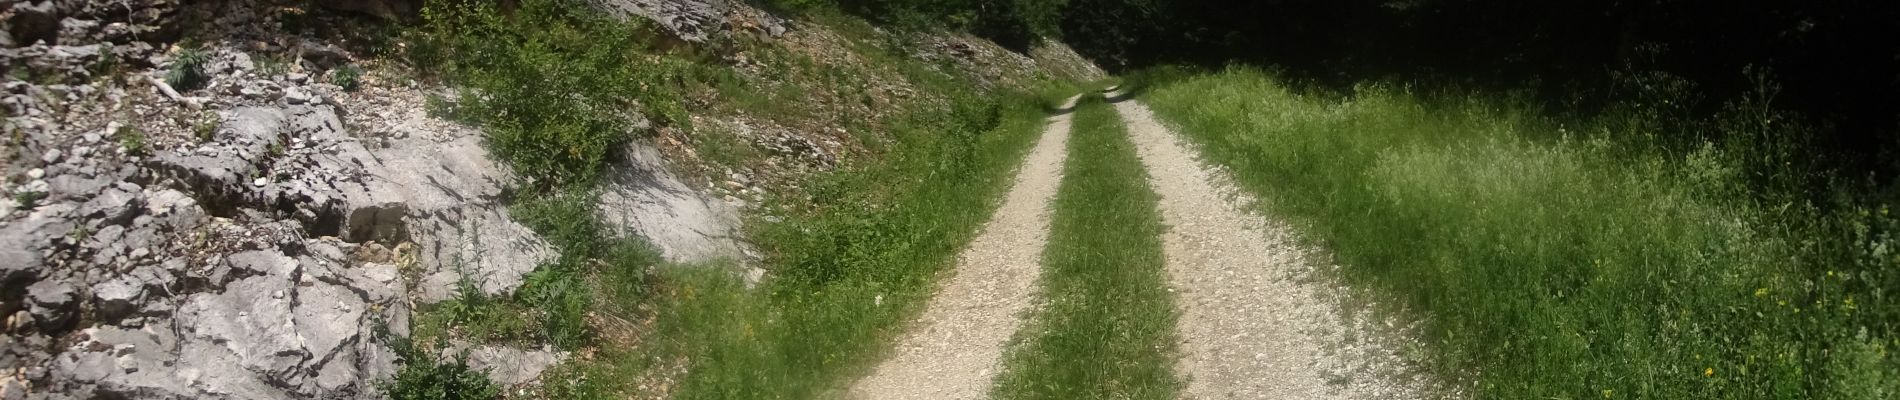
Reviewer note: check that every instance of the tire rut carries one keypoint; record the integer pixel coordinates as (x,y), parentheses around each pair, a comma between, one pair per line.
(954,350)
(1252,322)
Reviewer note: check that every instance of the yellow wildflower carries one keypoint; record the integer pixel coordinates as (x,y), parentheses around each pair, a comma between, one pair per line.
(1708,372)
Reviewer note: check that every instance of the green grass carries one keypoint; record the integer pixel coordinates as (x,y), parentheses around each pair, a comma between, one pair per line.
(1106,329)
(849,271)
(1556,258)
(558,88)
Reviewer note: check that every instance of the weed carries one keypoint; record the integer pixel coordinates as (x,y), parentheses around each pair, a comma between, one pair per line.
(187,72)
(132,139)
(558,88)
(273,65)
(422,376)
(29,199)
(348,76)
(206,127)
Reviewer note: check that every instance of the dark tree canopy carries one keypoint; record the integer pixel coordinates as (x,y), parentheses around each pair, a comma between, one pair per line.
(1835,61)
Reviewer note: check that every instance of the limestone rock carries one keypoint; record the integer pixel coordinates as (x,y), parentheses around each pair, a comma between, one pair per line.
(511,366)
(643,198)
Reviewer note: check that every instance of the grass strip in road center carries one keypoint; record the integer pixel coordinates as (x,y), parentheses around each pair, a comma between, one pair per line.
(1106,330)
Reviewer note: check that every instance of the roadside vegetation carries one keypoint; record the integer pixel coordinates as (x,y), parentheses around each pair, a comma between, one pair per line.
(1633,254)
(559,89)
(1105,328)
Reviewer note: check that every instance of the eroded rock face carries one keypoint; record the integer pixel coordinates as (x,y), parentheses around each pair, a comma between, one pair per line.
(697,20)
(246,238)
(232,266)
(641,197)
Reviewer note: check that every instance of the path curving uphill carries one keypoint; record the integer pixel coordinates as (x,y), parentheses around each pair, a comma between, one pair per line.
(1250,326)
(956,346)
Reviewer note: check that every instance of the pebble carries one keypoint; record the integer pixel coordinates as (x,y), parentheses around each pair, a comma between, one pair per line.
(92,138)
(260,182)
(51,156)
(35,173)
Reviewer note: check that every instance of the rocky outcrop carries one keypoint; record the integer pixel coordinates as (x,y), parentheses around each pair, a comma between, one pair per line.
(247,239)
(698,20)
(643,198)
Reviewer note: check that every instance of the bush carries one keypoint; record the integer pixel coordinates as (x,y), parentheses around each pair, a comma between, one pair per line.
(348,76)
(132,140)
(187,71)
(422,378)
(558,88)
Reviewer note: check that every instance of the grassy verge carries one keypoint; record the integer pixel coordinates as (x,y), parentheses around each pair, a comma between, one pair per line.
(1106,329)
(1554,266)
(558,88)
(850,271)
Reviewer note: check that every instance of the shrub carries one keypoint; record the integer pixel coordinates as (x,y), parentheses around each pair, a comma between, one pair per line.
(29,200)
(559,89)
(132,139)
(422,377)
(349,76)
(187,69)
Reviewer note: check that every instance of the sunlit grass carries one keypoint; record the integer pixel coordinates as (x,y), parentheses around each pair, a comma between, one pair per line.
(1553,264)
(1105,330)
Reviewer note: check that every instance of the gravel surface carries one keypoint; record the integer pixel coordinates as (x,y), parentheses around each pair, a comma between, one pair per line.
(956,346)
(1254,324)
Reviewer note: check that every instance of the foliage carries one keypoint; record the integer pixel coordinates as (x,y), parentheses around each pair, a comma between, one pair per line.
(28,199)
(187,70)
(1557,258)
(875,232)
(1106,328)
(206,126)
(273,65)
(132,139)
(423,377)
(558,88)
(347,76)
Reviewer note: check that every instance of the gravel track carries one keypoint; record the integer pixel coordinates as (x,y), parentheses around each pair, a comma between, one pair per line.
(955,348)
(1253,323)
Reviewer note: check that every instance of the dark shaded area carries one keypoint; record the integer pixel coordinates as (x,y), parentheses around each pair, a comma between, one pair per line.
(1836,62)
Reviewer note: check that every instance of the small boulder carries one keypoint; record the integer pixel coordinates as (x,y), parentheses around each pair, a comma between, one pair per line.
(55,303)
(118,298)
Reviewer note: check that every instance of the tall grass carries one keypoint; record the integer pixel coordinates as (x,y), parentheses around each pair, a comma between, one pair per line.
(1106,329)
(1553,259)
(848,272)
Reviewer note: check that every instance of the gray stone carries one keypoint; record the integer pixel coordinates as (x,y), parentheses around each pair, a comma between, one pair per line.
(261,262)
(114,206)
(643,198)
(54,303)
(694,20)
(72,30)
(511,366)
(19,254)
(324,55)
(484,246)
(296,96)
(329,318)
(118,298)
(74,186)
(253,320)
